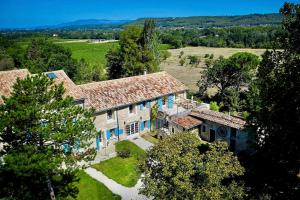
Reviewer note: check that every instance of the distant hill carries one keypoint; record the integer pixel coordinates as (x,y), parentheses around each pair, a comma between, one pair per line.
(216,21)
(88,23)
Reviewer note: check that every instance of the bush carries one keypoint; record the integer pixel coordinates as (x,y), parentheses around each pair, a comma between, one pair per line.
(182,61)
(165,54)
(206,55)
(123,153)
(211,56)
(181,54)
(214,106)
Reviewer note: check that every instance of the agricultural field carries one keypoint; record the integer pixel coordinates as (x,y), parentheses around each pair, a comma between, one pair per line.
(190,75)
(93,53)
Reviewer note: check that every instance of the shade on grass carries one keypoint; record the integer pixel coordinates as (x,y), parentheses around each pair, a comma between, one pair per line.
(91,189)
(150,137)
(123,170)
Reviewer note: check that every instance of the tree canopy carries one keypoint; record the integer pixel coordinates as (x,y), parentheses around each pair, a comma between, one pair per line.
(41,132)
(181,167)
(138,52)
(276,113)
(229,76)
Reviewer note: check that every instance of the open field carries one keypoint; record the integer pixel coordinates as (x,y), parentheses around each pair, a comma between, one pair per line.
(190,75)
(93,53)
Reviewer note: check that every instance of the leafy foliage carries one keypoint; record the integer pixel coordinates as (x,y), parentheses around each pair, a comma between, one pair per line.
(138,52)
(229,76)
(36,123)
(275,109)
(181,167)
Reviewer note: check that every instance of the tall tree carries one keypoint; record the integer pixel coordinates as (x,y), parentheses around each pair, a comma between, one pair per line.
(229,76)
(41,132)
(181,167)
(277,113)
(138,52)
(42,55)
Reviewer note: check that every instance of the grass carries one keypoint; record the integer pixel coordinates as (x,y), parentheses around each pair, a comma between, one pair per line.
(150,137)
(93,53)
(91,189)
(123,170)
(191,75)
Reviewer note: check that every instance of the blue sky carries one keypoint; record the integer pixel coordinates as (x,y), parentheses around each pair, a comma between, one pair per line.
(31,13)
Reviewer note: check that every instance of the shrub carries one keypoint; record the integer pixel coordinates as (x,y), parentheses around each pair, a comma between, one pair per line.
(211,56)
(165,54)
(206,55)
(182,61)
(123,153)
(194,60)
(214,106)
(181,54)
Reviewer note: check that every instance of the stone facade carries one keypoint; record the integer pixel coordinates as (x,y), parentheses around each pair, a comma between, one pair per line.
(130,120)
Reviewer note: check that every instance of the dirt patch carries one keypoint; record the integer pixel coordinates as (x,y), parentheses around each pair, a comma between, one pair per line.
(190,75)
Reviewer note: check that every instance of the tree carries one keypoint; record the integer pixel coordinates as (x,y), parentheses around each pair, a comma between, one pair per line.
(42,55)
(114,65)
(138,52)
(276,113)
(229,76)
(181,167)
(41,131)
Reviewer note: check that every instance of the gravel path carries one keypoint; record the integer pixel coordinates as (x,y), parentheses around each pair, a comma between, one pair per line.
(125,192)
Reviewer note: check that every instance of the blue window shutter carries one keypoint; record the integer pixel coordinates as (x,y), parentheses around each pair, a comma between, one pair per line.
(142,125)
(66,148)
(148,104)
(97,142)
(116,132)
(120,131)
(149,123)
(159,102)
(170,101)
(141,106)
(108,134)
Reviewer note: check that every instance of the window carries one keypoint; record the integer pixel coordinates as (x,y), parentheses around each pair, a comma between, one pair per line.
(131,109)
(203,128)
(109,114)
(164,101)
(132,128)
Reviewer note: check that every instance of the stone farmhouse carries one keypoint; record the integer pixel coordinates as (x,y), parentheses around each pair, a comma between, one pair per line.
(123,108)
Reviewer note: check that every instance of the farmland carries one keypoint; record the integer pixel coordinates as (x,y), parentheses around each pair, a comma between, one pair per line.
(190,75)
(93,53)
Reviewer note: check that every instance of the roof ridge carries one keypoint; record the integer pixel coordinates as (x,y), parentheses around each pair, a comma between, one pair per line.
(14,70)
(122,79)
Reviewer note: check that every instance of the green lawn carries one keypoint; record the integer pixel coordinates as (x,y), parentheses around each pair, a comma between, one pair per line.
(93,53)
(91,189)
(150,137)
(123,170)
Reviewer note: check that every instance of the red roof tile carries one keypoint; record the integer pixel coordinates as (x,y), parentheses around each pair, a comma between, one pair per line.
(219,117)
(119,92)
(9,78)
(187,122)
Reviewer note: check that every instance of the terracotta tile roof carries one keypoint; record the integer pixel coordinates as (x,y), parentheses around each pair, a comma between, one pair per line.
(218,117)
(71,89)
(8,79)
(187,122)
(114,93)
